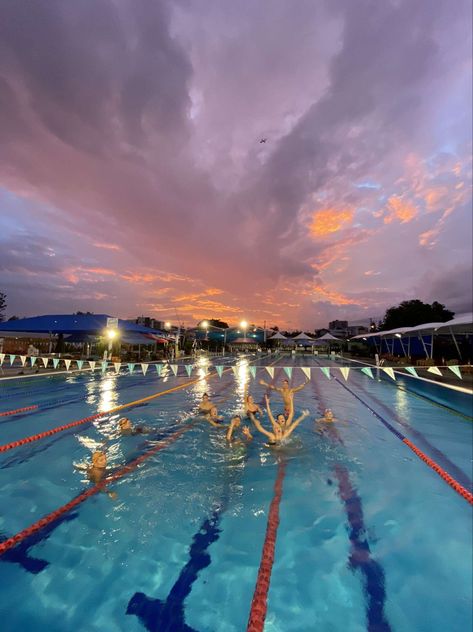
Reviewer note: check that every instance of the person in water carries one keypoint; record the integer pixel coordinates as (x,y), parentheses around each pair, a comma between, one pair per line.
(286,392)
(235,423)
(213,418)
(97,470)
(328,416)
(205,405)
(282,427)
(127,428)
(251,406)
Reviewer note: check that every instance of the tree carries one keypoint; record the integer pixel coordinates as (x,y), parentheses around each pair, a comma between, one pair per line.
(3,305)
(13,318)
(214,322)
(415,312)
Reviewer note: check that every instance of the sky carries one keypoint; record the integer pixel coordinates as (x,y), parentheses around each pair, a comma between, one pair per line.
(133,180)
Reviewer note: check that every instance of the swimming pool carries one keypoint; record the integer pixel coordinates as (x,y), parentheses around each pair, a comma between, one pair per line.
(369,536)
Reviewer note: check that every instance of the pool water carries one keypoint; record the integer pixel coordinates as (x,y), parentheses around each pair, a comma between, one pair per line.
(370,537)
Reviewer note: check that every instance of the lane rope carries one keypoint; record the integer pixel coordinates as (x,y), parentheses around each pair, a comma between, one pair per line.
(259,603)
(79,422)
(8,413)
(454,484)
(11,542)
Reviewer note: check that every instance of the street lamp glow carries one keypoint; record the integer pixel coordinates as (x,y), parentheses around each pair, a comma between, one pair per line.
(167,325)
(244,325)
(205,324)
(111,334)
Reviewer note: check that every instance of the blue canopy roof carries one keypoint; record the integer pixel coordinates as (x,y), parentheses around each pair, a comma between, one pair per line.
(92,324)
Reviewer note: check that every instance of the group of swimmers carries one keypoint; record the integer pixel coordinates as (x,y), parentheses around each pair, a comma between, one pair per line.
(282,425)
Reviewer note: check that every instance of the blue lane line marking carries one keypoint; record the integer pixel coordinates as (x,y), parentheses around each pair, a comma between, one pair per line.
(360,556)
(20,553)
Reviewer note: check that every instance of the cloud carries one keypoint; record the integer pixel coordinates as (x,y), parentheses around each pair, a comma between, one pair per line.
(327,221)
(399,209)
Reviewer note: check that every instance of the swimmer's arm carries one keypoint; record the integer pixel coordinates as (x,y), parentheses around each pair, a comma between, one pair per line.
(290,417)
(270,414)
(247,434)
(300,387)
(213,423)
(305,413)
(273,388)
(260,427)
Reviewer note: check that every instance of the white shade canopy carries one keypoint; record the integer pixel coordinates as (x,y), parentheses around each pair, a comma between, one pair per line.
(302,336)
(328,337)
(278,336)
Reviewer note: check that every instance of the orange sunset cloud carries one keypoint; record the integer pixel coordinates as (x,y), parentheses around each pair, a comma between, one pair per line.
(329,221)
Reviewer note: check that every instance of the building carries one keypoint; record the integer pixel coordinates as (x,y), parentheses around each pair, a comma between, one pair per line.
(338,328)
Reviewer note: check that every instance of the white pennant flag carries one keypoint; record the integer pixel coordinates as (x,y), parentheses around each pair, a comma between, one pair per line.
(306,371)
(68,364)
(345,370)
(219,370)
(12,359)
(388,370)
(56,362)
(144,368)
(435,370)
(174,368)
(2,358)
(32,360)
(22,360)
(131,367)
(270,370)
(92,365)
(159,369)
(117,366)
(79,363)
(453,367)
(411,370)
(45,361)
(188,369)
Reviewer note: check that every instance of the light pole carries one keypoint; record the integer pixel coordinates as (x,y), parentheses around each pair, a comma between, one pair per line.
(111,335)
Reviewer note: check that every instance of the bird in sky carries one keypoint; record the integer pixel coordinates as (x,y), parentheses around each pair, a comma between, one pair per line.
(263,140)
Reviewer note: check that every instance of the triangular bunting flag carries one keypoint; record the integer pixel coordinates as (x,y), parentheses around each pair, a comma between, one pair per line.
(455,369)
(345,370)
(2,358)
(174,368)
(12,359)
(270,370)
(326,371)
(22,360)
(219,370)
(435,370)
(32,360)
(45,362)
(159,369)
(306,371)
(288,370)
(118,366)
(80,364)
(235,371)
(131,367)
(411,370)
(56,362)
(388,370)
(188,369)
(68,364)
(92,365)
(253,371)
(104,366)
(144,367)
(367,371)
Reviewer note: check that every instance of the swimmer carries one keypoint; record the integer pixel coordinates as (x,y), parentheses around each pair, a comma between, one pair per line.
(286,392)
(251,406)
(213,418)
(234,424)
(127,428)
(96,471)
(282,427)
(328,416)
(205,405)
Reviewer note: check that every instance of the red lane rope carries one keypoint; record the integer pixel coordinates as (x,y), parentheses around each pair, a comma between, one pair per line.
(18,410)
(54,515)
(73,424)
(259,604)
(468,496)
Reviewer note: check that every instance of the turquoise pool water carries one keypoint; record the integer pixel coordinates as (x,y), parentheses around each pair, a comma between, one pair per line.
(370,538)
